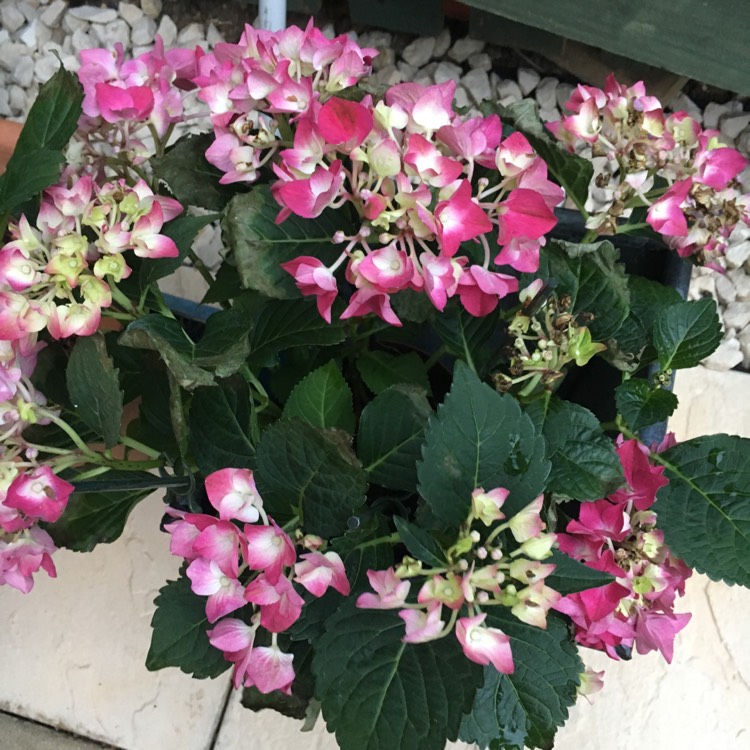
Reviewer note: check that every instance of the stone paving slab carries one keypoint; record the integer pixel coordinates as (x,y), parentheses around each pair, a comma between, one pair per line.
(21,734)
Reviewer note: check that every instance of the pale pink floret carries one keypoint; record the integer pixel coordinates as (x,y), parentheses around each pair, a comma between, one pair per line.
(219,542)
(387,268)
(269,669)
(234,494)
(484,645)
(40,494)
(460,219)
(116,103)
(185,530)
(309,197)
(17,270)
(313,278)
(19,316)
(225,593)
(235,639)
(317,571)
(369,299)
(485,506)
(75,319)
(481,290)
(269,549)
(527,523)
(391,591)
(666,215)
(280,605)
(24,556)
(440,276)
(534,602)
(145,238)
(422,626)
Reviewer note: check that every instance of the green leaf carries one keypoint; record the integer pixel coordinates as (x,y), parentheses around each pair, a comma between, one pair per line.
(571,576)
(224,345)
(593,278)
(379,693)
(301,470)
(704,511)
(641,405)
(322,399)
(94,387)
(420,543)
(226,285)
(183,231)
(381,370)
(572,172)
(585,465)
(526,708)
(190,178)
(166,337)
(391,431)
(178,638)
(220,427)
(36,160)
(686,333)
(631,347)
(479,439)
(92,518)
(281,324)
(260,245)
(474,340)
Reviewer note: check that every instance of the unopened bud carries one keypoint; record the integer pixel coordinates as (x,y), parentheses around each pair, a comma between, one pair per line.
(482,553)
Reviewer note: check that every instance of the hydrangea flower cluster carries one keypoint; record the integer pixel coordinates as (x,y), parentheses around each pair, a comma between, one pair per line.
(629,139)
(29,489)
(252,87)
(618,535)
(53,275)
(243,559)
(406,165)
(481,571)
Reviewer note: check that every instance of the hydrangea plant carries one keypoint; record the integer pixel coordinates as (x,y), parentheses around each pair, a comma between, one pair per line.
(390,506)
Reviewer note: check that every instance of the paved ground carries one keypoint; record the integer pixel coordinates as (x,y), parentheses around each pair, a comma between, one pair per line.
(20,734)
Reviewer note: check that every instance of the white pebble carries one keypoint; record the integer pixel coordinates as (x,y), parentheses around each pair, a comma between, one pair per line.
(167,30)
(9,54)
(4,102)
(737,315)
(81,40)
(12,18)
(528,79)
(744,339)
(112,33)
(737,255)
(727,356)
(53,13)
(703,286)
(508,92)
(45,67)
(732,125)
(563,93)
(442,43)
(18,99)
(464,48)
(191,34)
(725,289)
(378,40)
(481,61)
(71,24)
(461,97)
(477,83)
(447,71)
(546,93)
(152,8)
(714,111)
(213,36)
(420,51)
(129,13)
(92,14)
(143,31)
(30,38)
(23,72)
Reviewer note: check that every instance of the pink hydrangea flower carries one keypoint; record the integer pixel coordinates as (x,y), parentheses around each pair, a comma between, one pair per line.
(390,590)
(234,494)
(422,626)
(225,593)
(280,605)
(269,549)
(39,494)
(484,645)
(235,639)
(317,571)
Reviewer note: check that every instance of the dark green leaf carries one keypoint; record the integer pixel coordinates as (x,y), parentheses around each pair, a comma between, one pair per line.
(381,370)
(631,347)
(94,387)
(593,278)
(474,340)
(479,439)
(526,708)
(420,543)
(391,431)
(260,245)
(573,172)
(226,285)
(19,184)
(281,324)
(571,576)
(322,399)
(190,178)
(224,345)
(686,332)
(183,231)
(301,470)
(220,427)
(178,638)
(379,693)
(584,463)
(92,518)
(53,117)
(166,337)
(641,405)
(705,509)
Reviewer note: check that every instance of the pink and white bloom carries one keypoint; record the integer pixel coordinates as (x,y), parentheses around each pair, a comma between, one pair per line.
(390,590)
(24,556)
(225,593)
(317,571)
(219,542)
(280,605)
(527,523)
(387,268)
(234,494)
(269,669)
(309,197)
(312,277)
(422,626)
(39,494)
(269,549)
(481,290)
(460,219)
(235,639)
(484,645)
(485,506)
